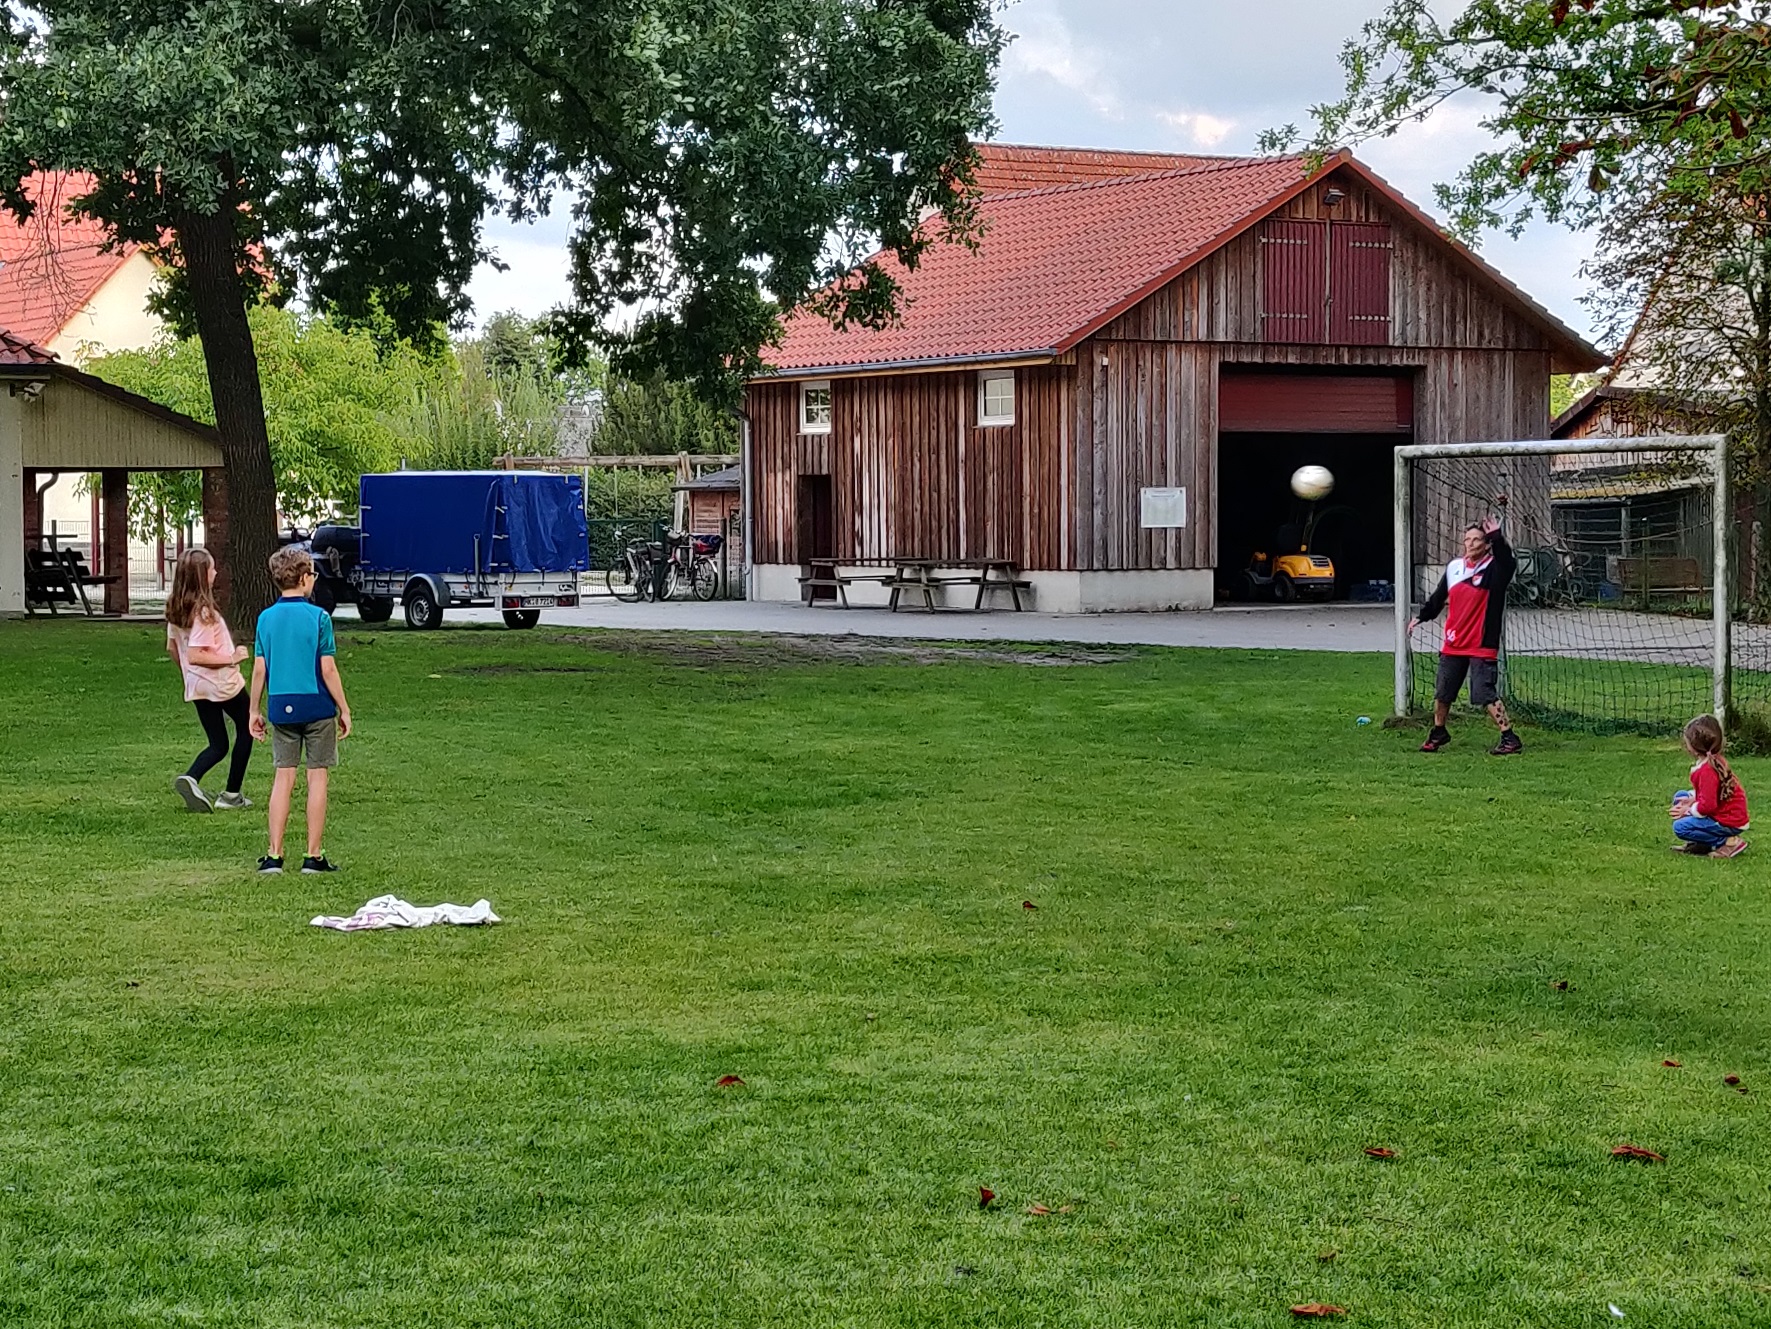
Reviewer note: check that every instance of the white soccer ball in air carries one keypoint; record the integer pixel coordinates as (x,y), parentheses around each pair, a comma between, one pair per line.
(1312,482)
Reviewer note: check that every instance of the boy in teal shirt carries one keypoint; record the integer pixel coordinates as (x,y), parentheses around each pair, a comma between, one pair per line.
(295,658)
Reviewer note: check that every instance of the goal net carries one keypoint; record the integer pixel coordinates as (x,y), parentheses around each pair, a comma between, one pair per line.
(1618,617)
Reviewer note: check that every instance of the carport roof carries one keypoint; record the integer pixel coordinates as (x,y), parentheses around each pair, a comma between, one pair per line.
(26,360)
(19,351)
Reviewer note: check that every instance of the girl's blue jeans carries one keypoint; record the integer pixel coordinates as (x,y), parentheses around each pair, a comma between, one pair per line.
(1706,831)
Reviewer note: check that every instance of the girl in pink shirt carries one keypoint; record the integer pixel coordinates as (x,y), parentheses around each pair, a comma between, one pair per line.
(197,638)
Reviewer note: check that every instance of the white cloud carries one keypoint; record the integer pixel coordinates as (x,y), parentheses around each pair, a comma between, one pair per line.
(1206,131)
(538,272)
(1045,48)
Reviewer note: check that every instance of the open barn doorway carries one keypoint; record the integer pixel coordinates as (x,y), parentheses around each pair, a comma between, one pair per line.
(1270,424)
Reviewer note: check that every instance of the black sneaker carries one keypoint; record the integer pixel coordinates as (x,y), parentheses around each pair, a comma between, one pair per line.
(1436,740)
(318,863)
(269,864)
(1508,746)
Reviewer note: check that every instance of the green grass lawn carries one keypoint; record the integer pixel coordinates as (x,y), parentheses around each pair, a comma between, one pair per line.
(1266,939)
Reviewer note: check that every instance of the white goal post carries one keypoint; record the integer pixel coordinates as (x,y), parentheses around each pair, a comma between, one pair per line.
(1545,489)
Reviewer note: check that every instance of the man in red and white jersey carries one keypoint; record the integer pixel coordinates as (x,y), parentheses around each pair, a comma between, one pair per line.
(1475,589)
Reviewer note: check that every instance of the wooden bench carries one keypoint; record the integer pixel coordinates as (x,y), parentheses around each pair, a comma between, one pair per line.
(828,574)
(1663,573)
(55,577)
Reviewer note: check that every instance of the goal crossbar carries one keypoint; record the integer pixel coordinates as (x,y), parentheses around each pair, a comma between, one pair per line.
(1713,447)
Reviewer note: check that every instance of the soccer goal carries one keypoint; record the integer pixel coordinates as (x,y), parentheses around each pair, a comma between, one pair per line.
(1619,616)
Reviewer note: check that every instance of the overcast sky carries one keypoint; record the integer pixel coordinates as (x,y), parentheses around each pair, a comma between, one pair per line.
(1199,75)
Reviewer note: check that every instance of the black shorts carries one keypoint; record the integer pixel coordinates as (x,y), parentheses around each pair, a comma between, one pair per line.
(1484,678)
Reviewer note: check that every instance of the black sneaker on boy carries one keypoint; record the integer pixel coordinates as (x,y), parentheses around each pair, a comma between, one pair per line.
(270,864)
(1508,746)
(317,863)
(1437,739)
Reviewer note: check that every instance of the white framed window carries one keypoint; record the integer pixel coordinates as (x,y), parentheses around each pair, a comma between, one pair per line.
(996,397)
(814,407)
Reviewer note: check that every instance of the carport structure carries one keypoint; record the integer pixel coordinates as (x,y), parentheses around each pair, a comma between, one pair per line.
(56,420)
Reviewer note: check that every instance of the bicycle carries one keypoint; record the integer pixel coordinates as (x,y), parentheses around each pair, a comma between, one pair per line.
(691,564)
(631,578)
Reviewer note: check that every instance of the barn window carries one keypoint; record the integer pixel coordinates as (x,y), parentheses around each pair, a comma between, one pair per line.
(996,398)
(814,407)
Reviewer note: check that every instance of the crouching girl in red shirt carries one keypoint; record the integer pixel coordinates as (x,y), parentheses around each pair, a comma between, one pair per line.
(1709,817)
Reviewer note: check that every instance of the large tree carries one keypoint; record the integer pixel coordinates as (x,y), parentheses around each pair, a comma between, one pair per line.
(721,158)
(1591,103)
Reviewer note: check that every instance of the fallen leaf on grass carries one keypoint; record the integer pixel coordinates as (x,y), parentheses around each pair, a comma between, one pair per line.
(1730,1080)
(1378,1151)
(1561,985)
(1317,1310)
(728,1082)
(1028,904)
(1327,1257)
(1670,1062)
(985,1196)
(1638,1153)
(1039,1211)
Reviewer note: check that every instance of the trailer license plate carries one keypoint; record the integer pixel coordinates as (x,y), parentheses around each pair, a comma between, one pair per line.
(540,601)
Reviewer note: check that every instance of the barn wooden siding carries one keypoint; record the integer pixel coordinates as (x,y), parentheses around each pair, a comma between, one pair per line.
(913,474)
(1460,396)
(912,471)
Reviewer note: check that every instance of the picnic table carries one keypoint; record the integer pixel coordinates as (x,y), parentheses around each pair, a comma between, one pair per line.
(56,576)
(918,576)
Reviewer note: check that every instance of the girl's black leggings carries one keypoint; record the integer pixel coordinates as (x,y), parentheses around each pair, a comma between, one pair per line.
(237,708)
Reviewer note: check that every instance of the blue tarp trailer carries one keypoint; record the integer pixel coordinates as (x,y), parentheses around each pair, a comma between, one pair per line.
(513,540)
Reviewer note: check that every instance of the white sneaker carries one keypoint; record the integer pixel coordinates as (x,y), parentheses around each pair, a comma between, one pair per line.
(231,800)
(192,794)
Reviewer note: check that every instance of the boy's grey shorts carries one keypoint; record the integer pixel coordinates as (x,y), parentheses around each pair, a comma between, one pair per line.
(319,737)
(1484,679)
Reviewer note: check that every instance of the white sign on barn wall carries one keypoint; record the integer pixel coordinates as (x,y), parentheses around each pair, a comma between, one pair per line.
(1164,507)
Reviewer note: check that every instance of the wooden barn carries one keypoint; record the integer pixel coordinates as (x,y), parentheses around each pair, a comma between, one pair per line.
(1113,389)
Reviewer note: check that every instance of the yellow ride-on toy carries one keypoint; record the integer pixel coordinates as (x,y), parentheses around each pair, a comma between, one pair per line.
(1296,574)
(1302,575)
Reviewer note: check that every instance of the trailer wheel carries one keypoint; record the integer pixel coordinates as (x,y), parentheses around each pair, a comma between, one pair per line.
(521,618)
(375,609)
(422,610)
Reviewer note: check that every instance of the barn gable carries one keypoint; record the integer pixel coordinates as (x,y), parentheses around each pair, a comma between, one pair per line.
(1432,293)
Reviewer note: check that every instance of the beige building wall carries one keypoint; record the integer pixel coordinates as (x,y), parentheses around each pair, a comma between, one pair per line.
(117,318)
(12,505)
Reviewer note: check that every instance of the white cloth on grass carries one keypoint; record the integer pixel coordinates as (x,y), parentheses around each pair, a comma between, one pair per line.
(390,911)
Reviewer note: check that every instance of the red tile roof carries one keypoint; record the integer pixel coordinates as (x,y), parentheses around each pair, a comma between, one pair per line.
(52,265)
(1056,264)
(1009,168)
(1052,266)
(19,351)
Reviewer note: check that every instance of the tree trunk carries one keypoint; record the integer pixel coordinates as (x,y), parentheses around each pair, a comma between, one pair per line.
(206,244)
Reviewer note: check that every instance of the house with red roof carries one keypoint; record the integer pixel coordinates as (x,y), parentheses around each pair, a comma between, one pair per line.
(1113,388)
(63,286)
(66,289)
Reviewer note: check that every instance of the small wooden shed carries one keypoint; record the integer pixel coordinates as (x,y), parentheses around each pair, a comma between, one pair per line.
(1113,389)
(56,420)
(715,501)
